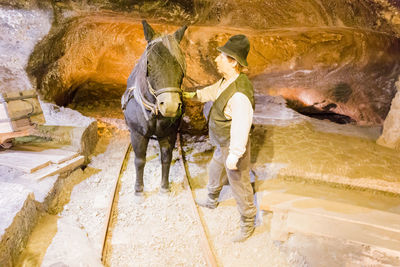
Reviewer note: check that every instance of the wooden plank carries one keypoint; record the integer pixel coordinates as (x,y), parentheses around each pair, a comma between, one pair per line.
(55,169)
(18,110)
(26,163)
(30,158)
(3,110)
(21,124)
(66,155)
(54,155)
(4,137)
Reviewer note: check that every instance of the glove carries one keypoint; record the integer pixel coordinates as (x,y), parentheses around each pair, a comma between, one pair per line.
(189,94)
(231,161)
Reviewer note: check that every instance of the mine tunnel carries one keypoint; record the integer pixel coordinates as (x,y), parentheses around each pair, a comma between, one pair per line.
(324,165)
(321,71)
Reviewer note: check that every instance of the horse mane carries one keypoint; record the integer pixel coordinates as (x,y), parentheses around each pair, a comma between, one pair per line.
(138,78)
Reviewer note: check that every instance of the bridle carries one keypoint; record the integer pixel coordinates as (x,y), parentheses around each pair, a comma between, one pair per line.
(146,104)
(160,91)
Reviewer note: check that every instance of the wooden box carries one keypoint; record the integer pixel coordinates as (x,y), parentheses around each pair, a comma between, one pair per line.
(19,110)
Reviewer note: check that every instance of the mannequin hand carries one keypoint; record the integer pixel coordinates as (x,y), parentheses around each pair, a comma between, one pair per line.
(189,94)
(231,162)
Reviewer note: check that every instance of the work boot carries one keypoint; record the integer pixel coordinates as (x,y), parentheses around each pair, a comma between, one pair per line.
(210,202)
(246,229)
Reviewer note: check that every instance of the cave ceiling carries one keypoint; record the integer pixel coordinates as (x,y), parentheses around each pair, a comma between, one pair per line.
(322,56)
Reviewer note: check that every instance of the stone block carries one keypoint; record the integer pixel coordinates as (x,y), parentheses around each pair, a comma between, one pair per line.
(18,216)
(299,214)
(78,139)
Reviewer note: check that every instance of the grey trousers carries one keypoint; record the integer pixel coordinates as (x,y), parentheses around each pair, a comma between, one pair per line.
(239,180)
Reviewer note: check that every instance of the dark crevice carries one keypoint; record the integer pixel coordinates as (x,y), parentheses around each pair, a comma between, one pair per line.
(334,117)
(321,113)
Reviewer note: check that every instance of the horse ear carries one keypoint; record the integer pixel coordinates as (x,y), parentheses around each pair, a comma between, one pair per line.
(179,33)
(149,33)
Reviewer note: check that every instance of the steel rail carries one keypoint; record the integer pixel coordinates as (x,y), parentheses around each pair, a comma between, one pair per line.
(205,242)
(113,203)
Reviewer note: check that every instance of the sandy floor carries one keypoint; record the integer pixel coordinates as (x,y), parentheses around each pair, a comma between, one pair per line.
(157,229)
(160,230)
(78,229)
(299,250)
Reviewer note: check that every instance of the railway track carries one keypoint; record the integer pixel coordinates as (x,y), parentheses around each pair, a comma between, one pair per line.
(204,240)
(106,248)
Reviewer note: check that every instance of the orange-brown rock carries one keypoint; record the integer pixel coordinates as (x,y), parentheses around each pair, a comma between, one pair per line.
(379,15)
(320,69)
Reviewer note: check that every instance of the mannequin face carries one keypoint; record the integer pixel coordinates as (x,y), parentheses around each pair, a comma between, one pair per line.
(225,65)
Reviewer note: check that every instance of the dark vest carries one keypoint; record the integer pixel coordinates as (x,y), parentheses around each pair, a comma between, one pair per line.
(219,126)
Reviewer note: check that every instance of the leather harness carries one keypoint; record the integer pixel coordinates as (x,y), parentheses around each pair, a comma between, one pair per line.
(144,103)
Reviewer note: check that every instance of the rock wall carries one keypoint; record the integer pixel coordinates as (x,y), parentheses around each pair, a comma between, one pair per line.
(17,40)
(318,69)
(20,216)
(333,56)
(373,14)
(338,70)
(391,128)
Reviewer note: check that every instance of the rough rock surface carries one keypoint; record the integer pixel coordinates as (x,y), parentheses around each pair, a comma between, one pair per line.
(326,68)
(373,14)
(17,40)
(18,215)
(391,128)
(330,57)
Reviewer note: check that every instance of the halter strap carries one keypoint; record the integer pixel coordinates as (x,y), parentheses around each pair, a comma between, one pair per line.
(138,95)
(158,92)
(168,90)
(145,104)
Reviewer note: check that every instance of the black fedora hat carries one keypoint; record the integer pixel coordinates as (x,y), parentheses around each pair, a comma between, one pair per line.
(238,47)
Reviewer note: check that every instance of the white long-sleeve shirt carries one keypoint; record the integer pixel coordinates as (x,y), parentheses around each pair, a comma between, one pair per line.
(238,108)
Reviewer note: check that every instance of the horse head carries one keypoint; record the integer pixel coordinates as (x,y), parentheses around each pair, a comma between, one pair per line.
(166,68)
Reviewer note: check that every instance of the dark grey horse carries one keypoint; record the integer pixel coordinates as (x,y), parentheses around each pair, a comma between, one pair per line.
(152,103)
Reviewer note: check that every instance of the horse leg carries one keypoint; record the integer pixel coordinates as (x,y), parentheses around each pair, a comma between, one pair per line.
(139,145)
(166,146)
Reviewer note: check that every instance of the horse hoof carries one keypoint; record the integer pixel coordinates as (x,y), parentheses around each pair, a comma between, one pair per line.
(164,190)
(139,193)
